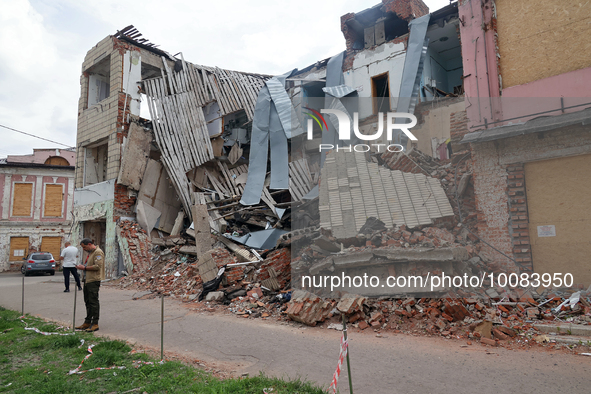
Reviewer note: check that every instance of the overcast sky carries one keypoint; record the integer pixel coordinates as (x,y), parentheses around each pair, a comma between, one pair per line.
(43,44)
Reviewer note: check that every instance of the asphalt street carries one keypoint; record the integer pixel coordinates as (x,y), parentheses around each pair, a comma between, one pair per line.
(394,363)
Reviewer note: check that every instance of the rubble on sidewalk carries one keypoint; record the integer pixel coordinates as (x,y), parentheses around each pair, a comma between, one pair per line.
(262,289)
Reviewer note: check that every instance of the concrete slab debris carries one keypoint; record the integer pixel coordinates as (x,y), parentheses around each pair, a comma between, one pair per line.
(134,158)
(147,216)
(355,189)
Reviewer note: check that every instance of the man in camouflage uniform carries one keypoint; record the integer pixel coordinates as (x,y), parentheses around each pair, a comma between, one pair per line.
(93,272)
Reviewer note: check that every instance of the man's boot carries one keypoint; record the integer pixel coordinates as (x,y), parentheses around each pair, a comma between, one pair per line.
(83,327)
(93,328)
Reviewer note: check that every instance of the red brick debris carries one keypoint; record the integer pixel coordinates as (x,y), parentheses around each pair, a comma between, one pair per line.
(495,317)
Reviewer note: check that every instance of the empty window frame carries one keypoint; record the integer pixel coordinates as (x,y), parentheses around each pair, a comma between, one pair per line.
(95,164)
(99,81)
(380,91)
(443,68)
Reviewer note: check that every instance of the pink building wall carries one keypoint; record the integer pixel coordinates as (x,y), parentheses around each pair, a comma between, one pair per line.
(38,206)
(482,82)
(39,156)
(39,176)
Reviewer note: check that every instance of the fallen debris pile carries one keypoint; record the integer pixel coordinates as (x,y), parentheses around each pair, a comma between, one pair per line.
(515,316)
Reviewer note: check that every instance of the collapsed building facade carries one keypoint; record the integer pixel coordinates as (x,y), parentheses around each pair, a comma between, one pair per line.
(228,172)
(131,168)
(196,150)
(37,193)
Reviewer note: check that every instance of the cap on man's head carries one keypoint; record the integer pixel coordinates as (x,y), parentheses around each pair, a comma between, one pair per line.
(86,241)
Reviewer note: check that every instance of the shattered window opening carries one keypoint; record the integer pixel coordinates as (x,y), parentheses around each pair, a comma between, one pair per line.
(443,69)
(99,81)
(374,27)
(95,163)
(381,92)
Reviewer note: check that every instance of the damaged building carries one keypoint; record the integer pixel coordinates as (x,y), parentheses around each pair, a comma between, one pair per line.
(37,194)
(196,148)
(165,171)
(226,170)
(527,84)
(193,156)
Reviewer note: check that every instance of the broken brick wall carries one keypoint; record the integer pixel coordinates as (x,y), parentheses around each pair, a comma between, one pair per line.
(135,246)
(277,262)
(450,173)
(223,256)
(458,129)
(405,9)
(99,121)
(350,38)
(124,201)
(491,194)
(519,229)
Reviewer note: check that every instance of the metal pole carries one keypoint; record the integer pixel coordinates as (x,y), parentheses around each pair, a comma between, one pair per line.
(348,363)
(162,328)
(23,298)
(74,314)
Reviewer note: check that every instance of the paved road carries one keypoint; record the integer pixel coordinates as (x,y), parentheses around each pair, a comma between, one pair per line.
(394,364)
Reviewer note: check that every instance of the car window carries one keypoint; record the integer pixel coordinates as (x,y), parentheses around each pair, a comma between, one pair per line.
(41,256)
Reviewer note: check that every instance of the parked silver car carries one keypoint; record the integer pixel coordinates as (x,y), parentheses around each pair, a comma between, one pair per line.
(38,262)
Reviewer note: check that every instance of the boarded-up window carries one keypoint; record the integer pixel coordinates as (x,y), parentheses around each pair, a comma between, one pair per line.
(57,161)
(52,245)
(23,193)
(559,216)
(54,196)
(19,248)
(550,43)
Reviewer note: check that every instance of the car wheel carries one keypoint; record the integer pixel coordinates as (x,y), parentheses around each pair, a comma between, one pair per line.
(27,273)
(51,272)
(22,269)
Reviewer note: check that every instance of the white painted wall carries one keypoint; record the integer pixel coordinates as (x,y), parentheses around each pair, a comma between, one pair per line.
(92,194)
(132,74)
(369,63)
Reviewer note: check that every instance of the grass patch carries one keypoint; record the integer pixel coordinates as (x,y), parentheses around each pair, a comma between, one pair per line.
(35,363)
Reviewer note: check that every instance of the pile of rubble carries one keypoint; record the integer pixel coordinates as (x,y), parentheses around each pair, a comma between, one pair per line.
(179,264)
(512,320)
(170,266)
(258,284)
(135,245)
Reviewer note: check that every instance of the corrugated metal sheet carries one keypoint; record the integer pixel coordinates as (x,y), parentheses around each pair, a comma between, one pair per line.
(176,102)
